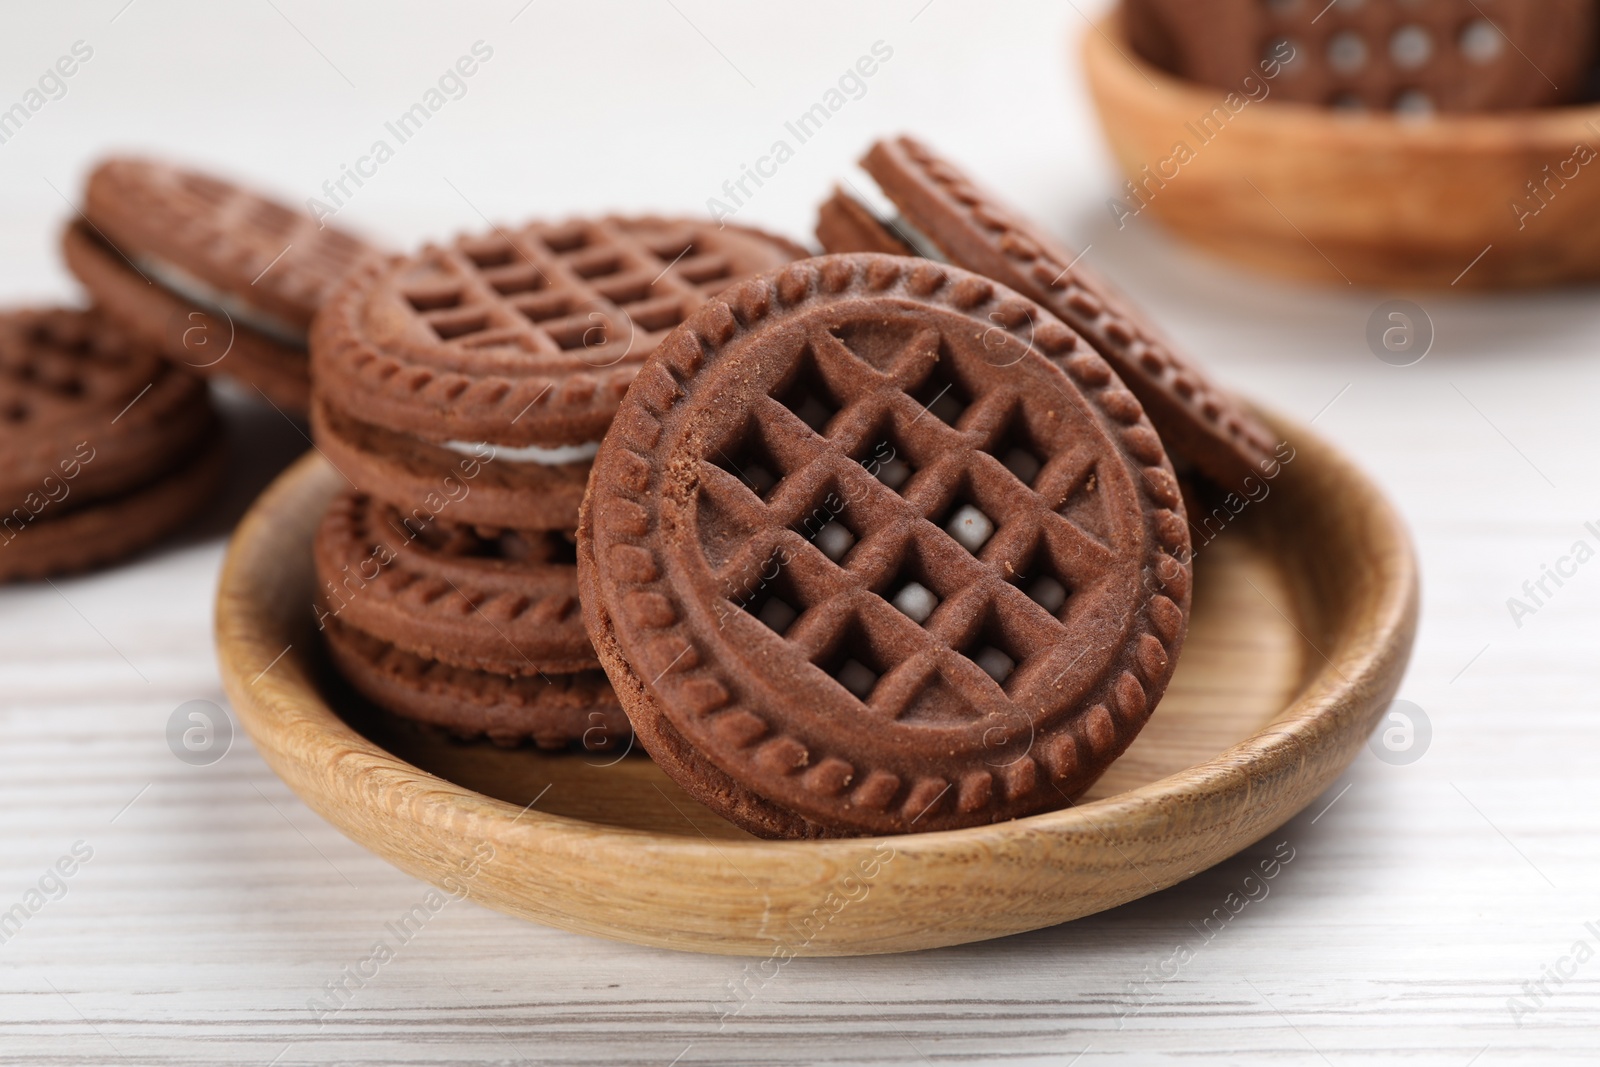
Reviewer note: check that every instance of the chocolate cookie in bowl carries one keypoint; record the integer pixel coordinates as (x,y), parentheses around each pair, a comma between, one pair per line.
(878,545)
(474,631)
(516,344)
(946,215)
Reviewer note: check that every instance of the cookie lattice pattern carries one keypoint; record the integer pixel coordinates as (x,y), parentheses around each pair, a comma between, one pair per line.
(924,512)
(58,367)
(603,291)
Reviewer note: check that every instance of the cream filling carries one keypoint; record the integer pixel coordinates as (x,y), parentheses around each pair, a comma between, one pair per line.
(920,242)
(532,454)
(212,299)
(897,224)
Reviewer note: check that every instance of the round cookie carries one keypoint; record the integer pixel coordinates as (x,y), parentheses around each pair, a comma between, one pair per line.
(496,601)
(222,279)
(1410,56)
(107,447)
(513,347)
(555,712)
(948,216)
(877,545)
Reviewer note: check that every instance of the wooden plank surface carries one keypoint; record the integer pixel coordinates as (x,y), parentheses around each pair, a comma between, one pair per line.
(1421,901)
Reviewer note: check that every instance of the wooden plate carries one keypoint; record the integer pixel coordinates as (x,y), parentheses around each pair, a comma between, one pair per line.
(1369,199)
(1305,608)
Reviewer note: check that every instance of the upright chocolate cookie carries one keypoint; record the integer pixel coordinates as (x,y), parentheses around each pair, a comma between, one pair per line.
(1411,56)
(106,447)
(949,216)
(514,347)
(877,545)
(225,281)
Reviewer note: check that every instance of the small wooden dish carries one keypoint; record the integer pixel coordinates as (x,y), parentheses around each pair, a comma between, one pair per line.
(1304,613)
(1371,200)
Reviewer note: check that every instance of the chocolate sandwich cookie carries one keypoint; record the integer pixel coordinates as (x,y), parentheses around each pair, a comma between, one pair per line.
(225,281)
(1411,56)
(476,631)
(494,600)
(948,216)
(509,351)
(555,711)
(106,446)
(877,545)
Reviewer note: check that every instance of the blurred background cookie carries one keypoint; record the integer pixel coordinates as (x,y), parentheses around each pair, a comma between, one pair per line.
(1411,56)
(104,445)
(223,280)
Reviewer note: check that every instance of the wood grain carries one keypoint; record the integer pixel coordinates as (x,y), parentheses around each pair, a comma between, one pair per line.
(1367,199)
(1323,561)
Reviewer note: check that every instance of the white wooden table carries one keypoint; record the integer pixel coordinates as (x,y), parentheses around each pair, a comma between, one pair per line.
(1425,904)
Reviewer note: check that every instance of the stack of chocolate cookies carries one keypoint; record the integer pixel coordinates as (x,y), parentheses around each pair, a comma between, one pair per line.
(462,392)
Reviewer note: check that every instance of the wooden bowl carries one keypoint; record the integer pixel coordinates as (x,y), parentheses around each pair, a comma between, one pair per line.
(1371,200)
(1304,613)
